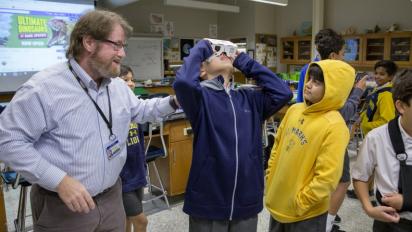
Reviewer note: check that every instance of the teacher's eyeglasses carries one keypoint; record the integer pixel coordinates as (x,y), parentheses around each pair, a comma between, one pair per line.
(116,45)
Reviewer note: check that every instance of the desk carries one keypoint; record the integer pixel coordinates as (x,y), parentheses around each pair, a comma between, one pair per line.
(174,169)
(6,97)
(160,89)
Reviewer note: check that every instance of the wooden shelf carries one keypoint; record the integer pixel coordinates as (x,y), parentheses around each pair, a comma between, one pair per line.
(365,51)
(296,49)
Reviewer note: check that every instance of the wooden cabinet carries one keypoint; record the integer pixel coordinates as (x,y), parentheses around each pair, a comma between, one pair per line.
(360,50)
(374,48)
(174,169)
(400,47)
(296,50)
(304,49)
(395,46)
(287,50)
(181,159)
(287,53)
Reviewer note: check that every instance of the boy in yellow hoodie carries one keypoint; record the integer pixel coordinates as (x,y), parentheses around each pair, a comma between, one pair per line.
(307,159)
(380,108)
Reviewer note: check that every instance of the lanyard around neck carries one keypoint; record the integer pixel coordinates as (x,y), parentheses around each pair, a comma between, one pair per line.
(109,122)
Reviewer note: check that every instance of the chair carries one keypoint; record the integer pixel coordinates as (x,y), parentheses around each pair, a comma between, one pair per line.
(15,180)
(270,127)
(152,153)
(356,133)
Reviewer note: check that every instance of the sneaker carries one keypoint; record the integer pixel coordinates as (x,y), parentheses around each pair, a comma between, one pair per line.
(336,228)
(351,194)
(337,219)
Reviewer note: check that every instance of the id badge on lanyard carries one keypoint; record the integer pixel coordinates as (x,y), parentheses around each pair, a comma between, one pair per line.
(112,148)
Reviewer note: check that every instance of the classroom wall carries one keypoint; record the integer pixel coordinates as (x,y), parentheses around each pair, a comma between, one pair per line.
(367,13)
(265,18)
(289,18)
(340,14)
(188,22)
(238,25)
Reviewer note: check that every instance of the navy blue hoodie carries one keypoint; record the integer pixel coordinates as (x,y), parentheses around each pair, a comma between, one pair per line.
(133,174)
(226,176)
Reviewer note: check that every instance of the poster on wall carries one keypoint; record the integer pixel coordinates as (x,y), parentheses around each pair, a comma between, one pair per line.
(158,29)
(185,46)
(169,29)
(166,49)
(33,36)
(351,49)
(156,19)
(213,31)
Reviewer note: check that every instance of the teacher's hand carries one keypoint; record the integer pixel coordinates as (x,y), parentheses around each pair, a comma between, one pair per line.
(74,195)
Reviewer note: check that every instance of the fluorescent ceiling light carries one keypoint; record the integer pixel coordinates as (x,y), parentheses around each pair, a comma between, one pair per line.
(274,2)
(203,5)
(117,3)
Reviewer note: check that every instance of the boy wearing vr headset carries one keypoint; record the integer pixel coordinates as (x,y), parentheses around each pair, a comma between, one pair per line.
(225,187)
(386,153)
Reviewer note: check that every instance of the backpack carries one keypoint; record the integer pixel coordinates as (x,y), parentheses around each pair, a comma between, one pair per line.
(372,102)
(405,171)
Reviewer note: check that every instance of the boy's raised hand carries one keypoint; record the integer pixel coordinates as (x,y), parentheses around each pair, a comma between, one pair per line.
(383,213)
(394,200)
(233,58)
(361,84)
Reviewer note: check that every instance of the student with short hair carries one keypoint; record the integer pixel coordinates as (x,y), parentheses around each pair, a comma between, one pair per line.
(225,188)
(330,45)
(133,174)
(307,159)
(380,108)
(386,154)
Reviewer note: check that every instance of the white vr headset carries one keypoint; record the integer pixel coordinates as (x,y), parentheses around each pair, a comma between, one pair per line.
(222,46)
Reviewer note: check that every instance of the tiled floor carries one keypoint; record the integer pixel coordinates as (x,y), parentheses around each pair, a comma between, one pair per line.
(174,220)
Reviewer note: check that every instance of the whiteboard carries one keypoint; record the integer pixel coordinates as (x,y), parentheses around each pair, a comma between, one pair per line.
(145,57)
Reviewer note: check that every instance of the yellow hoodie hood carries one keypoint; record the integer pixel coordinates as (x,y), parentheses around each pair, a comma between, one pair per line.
(338,78)
(307,158)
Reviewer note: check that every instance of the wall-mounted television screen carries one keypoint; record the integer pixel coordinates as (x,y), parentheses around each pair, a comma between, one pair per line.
(34,35)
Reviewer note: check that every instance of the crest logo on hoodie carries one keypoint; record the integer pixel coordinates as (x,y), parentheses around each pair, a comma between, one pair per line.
(300,135)
(133,134)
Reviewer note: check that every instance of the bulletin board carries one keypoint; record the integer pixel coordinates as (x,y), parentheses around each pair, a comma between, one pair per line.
(145,57)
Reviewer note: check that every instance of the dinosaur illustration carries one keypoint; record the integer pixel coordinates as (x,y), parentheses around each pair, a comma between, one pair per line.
(59,32)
